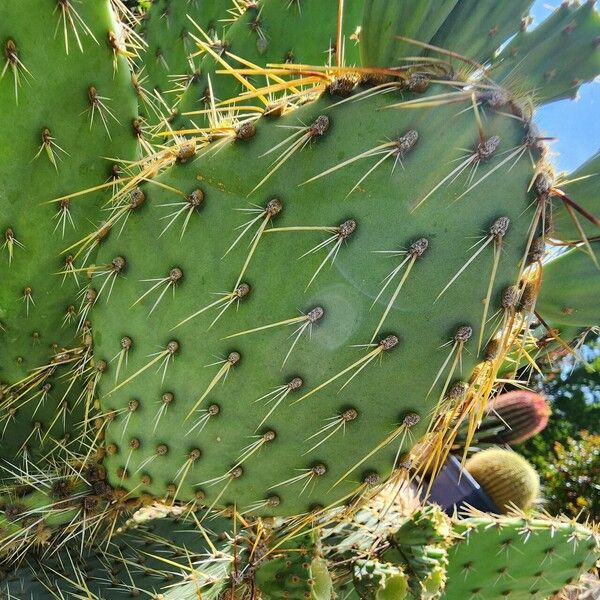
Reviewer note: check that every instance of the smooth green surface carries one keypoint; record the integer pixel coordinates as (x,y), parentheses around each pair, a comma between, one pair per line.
(384,20)
(475,29)
(570,289)
(583,187)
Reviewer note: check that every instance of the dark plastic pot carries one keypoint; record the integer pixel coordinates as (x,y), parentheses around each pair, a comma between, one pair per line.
(454,490)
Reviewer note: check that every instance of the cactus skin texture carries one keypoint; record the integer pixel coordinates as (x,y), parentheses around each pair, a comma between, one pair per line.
(508,479)
(52,505)
(192,386)
(422,543)
(270,32)
(234,447)
(48,95)
(513,418)
(168,66)
(570,290)
(374,580)
(516,557)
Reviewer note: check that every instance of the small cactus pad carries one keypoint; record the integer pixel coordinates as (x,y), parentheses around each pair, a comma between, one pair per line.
(477,28)
(421,544)
(296,571)
(374,580)
(517,558)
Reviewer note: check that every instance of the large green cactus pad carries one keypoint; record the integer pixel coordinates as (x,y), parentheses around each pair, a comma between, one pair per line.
(391,394)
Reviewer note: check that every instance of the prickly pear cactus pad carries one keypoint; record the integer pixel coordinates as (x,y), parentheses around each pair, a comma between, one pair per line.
(66,102)
(570,290)
(267,363)
(517,557)
(253,33)
(135,564)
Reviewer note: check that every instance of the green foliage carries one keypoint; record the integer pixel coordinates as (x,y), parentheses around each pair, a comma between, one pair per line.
(573,389)
(571,477)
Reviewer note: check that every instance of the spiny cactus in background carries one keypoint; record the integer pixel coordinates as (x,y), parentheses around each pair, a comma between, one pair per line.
(517,557)
(511,418)
(253,350)
(67,103)
(507,478)
(49,506)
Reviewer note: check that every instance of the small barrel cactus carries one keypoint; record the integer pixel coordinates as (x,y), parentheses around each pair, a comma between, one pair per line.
(508,478)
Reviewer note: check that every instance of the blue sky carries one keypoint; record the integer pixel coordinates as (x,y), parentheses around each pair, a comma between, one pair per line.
(576,123)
